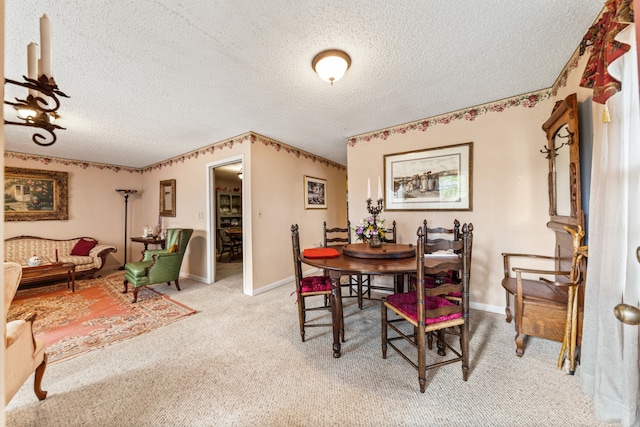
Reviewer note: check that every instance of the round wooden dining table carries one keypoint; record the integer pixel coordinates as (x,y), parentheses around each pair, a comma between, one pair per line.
(390,259)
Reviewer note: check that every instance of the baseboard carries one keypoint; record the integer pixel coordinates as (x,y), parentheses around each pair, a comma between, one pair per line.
(486,307)
(194,277)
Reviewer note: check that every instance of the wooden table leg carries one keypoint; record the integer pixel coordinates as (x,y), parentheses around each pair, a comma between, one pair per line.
(71,277)
(336,311)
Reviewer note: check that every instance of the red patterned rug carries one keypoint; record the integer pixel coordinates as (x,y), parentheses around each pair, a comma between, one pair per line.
(95,315)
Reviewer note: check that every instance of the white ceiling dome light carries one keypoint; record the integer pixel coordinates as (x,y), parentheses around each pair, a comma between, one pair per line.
(331,64)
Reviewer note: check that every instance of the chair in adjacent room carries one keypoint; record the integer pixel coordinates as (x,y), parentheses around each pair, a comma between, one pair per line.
(162,265)
(309,287)
(415,315)
(228,245)
(24,354)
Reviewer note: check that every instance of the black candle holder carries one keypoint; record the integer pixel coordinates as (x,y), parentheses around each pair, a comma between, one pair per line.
(375,211)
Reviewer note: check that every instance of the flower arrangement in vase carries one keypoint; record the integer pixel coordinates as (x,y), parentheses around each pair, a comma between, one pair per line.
(366,229)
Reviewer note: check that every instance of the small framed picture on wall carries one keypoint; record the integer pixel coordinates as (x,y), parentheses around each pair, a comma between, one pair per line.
(315,193)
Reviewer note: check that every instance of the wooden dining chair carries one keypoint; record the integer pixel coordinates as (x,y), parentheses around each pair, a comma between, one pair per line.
(309,288)
(229,245)
(338,236)
(413,316)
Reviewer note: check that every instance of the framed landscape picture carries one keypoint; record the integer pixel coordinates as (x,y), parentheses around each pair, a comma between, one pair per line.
(34,195)
(432,179)
(315,193)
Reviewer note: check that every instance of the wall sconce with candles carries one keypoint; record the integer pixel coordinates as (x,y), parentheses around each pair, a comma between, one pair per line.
(39,109)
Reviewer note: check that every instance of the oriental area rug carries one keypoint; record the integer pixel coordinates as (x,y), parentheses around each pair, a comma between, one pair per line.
(95,315)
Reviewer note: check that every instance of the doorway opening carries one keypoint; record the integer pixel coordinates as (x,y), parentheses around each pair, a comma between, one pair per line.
(225,221)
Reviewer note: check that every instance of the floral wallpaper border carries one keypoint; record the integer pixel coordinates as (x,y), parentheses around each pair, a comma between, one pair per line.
(528,100)
(66,162)
(250,137)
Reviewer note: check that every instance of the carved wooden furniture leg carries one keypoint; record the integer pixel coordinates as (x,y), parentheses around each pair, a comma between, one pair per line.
(336,312)
(37,383)
(383,329)
(126,286)
(464,345)
(135,295)
(519,307)
(507,308)
(440,343)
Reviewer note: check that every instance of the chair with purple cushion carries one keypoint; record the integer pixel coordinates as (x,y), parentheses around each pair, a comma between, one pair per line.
(309,287)
(412,316)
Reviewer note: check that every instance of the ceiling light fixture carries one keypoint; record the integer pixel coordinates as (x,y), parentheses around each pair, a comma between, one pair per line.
(331,64)
(40,107)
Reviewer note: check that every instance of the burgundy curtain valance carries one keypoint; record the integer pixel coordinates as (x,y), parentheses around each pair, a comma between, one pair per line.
(605,49)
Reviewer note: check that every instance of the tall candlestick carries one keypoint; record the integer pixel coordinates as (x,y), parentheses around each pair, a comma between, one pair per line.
(46,54)
(379,188)
(368,188)
(32,65)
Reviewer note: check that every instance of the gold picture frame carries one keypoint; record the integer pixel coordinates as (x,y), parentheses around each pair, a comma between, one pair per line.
(168,197)
(35,195)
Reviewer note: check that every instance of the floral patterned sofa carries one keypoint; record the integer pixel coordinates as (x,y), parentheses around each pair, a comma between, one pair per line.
(86,253)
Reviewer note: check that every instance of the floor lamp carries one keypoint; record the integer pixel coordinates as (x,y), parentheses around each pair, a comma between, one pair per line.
(126,194)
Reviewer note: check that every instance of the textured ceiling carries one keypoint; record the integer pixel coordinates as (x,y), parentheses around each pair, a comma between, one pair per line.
(152,79)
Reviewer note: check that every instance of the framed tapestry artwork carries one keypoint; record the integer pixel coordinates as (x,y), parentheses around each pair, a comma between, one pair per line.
(315,193)
(435,179)
(34,195)
(168,197)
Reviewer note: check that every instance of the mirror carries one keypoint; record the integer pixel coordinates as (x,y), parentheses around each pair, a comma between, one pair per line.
(561,166)
(168,197)
(563,153)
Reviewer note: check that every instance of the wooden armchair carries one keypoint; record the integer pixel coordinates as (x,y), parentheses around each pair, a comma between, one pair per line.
(24,354)
(546,308)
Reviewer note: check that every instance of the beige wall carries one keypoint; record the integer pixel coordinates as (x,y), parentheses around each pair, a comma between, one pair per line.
(191,201)
(278,193)
(510,202)
(95,209)
(273,186)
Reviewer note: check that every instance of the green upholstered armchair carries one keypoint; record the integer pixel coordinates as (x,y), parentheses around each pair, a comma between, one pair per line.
(159,265)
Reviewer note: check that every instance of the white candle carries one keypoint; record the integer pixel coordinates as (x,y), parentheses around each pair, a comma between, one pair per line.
(379,188)
(368,188)
(46,55)
(32,64)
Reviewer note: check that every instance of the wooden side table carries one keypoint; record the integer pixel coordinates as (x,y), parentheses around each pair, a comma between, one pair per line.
(148,241)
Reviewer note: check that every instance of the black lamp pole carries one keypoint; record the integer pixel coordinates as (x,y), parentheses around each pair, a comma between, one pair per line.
(126,194)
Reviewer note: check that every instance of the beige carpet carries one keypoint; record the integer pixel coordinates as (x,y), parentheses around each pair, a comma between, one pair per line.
(240,362)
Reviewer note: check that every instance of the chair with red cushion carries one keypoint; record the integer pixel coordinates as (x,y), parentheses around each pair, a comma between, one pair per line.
(412,316)
(309,287)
